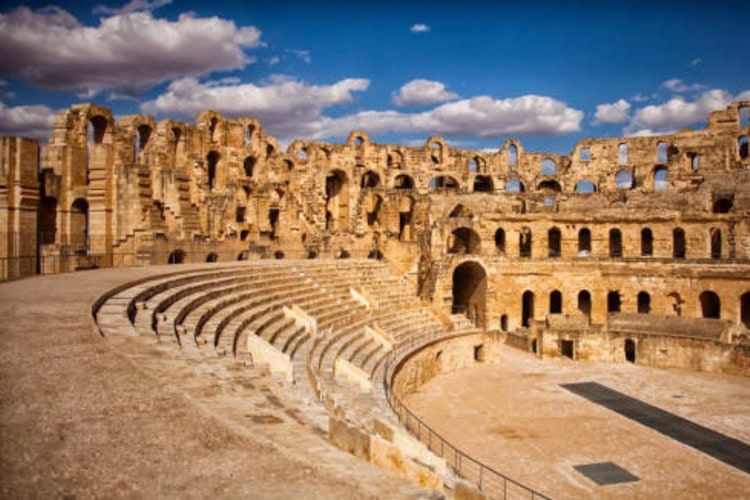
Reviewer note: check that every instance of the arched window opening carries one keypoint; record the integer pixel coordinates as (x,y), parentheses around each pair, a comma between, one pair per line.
(312,254)
(512,155)
(585,154)
(212,257)
(715,243)
(679,247)
(629,348)
(395,159)
(249,166)
(745,309)
(744,118)
(527,308)
(406,206)
(555,302)
(584,303)
(273,221)
(240,215)
(661,152)
(473,166)
(710,304)
(500,241)
(554,242)
(176,257)
(549,167)
(358,142)
(550,186)
(524,242)
(644,303)
(585,187)
(483,184)
(337,198)
(660,179)
(742,147)
(722,205)
(143,134)
(370,179)
(623,180)
(403,182)
(647,242)
(622,154)
(212,158)
(47,220)
(79,226)
(98,128)
(464,241)
(374,209)
(302,154)
(244,234)
(436,153)
(443,182)
(249,131)
(375,255)
(460,211)
(270,150)
(469,292)
(613,302)
(243,255)
(514,186)
(615,243)
(584,242)
(694,161)
(504,322)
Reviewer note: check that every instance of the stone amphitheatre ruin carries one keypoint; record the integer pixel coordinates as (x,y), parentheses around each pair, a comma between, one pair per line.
(346,276)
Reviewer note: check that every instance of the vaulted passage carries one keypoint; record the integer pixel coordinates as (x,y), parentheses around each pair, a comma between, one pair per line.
(527,308)
(469,292)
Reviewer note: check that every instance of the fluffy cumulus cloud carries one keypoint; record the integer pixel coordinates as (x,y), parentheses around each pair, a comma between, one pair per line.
(132,6)
(127,52)
(419,28)
(26,121)
(679,112)
(616,112)
(284,106)
(422,93)
(291,109)
(679,87)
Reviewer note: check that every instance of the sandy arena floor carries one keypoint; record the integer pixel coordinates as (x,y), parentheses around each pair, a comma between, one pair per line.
(515,417)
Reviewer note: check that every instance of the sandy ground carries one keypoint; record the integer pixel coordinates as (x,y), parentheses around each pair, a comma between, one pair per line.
(86,417)
(515,417)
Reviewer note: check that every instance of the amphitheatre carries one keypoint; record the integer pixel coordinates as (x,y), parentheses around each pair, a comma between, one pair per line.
(191,311)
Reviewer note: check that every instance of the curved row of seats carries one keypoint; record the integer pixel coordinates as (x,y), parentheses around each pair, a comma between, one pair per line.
(337,305)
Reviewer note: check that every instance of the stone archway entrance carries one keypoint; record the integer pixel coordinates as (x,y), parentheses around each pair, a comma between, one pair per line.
(470,291)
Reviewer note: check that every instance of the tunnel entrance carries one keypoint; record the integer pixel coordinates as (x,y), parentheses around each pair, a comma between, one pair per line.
(469,292)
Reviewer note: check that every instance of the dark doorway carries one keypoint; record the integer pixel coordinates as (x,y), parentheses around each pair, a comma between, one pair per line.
(678,244)
(555,302)
(524,242)
(584,242)
(554,242)
(745,309)
(469,292)
(716,243)
(615,243)
(176,257)
(613,302)
(212,257)
(527,308)
(584,302)
(566,349)
(647,242)
(629,350)
(710,304)
(644,303)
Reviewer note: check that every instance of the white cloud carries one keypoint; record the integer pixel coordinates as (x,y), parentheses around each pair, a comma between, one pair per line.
(678,86)
(696,62)
(419,28)
(26,121)
(421,93)
(678,113)
(291,109)
(128,52)
(617,112)
(304,55)
(285,107)
(273,61)
(132,6)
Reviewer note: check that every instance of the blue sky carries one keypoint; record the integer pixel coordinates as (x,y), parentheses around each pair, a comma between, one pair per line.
(548,73)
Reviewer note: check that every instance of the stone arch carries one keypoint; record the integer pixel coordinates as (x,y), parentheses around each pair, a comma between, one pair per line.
(584,303)
(549,186)
(524,242)
(613,302)
(483,184)
(142,136)
(512,155)
(615,243)
(647,242)
(622,153)
(250,129)
(470,292)
(548,167)
(555,302)
(662,152)
(716,242)
(177,257)
(527,308)
(405,216)
(742,147)
(370,179)
(403,181)
(373,208)
(644,302)
(375,254)
(212,257)
(584,242)
(358,139)
(710,304)
(722,205)
(337,200)
(464,241)
(659,178)
(585,186)
(395,159)
(500,241)
(212,165)
(679,244)
(79,225)
(554,242)
(460,210)
(249,166)
(445,182)
(623,180)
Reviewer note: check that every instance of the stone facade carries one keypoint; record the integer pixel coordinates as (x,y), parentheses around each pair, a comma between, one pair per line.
(519,241)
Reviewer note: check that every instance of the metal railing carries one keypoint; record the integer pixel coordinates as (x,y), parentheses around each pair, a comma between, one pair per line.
(489,481)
